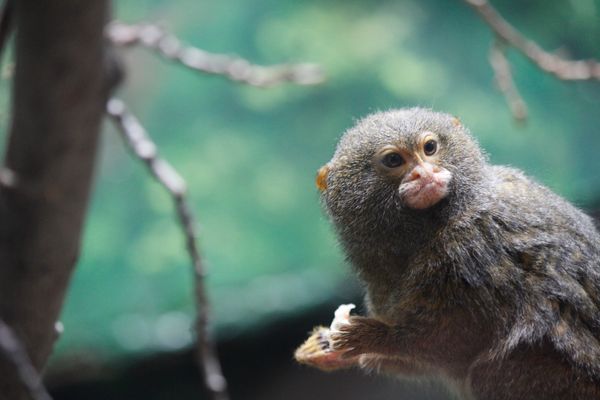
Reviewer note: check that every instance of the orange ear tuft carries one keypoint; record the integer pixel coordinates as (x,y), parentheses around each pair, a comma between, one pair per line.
(455,121)
(321,181)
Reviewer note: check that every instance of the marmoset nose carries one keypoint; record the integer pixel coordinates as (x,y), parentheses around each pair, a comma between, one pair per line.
(420,171)
(416,173)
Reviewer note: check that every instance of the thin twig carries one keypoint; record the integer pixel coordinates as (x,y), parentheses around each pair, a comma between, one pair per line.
(548,62)
(13,349)
(505,82)
(143,147)
(232,67)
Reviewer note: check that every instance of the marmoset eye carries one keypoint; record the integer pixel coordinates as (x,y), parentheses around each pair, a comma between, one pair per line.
(430,147)
(392,160)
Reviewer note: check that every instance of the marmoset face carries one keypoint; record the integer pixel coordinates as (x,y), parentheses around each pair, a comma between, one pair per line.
(422,181)
(407,159)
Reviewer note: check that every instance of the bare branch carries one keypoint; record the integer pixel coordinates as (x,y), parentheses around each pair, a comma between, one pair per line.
(505,82)
(568,70)
(143,148)
(13,349)
(232,67)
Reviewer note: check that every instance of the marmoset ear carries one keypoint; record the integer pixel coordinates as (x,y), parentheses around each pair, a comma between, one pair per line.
(321,180)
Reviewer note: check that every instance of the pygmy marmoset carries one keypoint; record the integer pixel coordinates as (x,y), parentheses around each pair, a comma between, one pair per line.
(473,273)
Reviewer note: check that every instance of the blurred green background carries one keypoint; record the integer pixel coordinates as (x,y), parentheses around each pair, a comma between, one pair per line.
(250,155)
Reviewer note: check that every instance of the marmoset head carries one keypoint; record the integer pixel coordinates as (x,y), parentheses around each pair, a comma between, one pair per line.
(400,162)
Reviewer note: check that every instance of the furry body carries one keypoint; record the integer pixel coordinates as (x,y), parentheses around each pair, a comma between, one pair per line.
(495,288)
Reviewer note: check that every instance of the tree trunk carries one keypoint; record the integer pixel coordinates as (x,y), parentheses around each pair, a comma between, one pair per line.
(59,94)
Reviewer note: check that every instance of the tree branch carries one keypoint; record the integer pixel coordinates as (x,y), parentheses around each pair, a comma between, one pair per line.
(505,81)
(551,63)
(143,148)
(59,92)
(232,67)
(13,349)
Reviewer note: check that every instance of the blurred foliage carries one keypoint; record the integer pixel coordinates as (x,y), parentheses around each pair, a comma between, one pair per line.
(250,155)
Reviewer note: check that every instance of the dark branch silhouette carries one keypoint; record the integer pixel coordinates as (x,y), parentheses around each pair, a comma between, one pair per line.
(60,86)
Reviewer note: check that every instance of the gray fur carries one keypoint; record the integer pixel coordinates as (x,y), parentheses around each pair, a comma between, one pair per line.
(496,288)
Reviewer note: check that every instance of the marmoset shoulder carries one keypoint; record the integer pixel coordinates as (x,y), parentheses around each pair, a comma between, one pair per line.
(474,273)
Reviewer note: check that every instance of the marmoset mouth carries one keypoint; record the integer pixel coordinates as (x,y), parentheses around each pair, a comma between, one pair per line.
(426,191)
